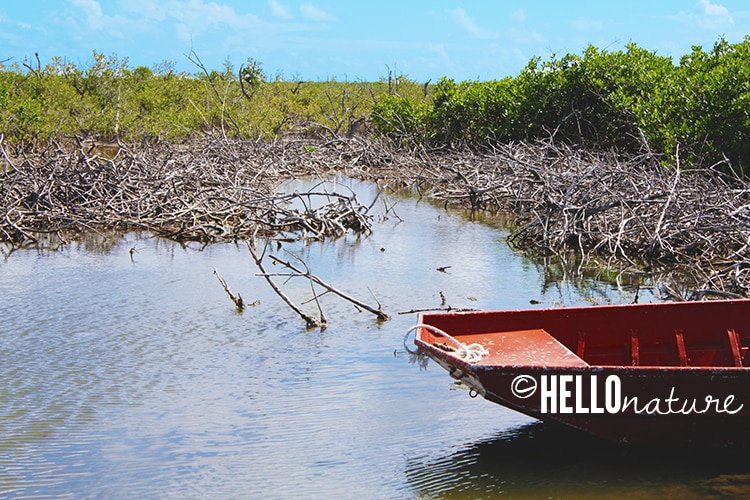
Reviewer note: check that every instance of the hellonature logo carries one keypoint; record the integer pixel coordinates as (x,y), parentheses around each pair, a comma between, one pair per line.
(567,394)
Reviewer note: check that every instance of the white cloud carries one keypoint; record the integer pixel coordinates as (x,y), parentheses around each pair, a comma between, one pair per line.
(464,20)
(313,13)
(714,11)
(706,15)
(92,10)
(150,10)
(440,56)
(96,19)
(184,33)
(188,18)
(279,10)
(201,16)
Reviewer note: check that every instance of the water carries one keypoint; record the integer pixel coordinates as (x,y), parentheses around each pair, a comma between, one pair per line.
(127,378)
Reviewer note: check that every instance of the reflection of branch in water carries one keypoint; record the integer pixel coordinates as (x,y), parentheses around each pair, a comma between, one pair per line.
(419,359)
(668,283)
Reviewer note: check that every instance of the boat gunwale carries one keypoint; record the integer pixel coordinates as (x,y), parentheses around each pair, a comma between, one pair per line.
(464,365)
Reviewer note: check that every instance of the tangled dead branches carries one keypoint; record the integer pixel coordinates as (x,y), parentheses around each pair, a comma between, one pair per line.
(634,211)
(631,210)
(217,191)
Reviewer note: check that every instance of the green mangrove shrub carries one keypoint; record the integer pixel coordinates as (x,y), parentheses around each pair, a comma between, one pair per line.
(631,100)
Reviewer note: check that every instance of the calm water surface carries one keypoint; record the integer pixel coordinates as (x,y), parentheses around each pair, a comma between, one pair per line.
(126,378)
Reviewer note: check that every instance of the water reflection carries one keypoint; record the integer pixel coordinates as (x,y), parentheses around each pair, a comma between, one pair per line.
(538,460)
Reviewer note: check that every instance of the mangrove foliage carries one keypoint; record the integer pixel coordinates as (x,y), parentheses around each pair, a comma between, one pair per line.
(630,100)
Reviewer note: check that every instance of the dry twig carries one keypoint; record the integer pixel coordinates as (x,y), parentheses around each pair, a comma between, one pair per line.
(237,299)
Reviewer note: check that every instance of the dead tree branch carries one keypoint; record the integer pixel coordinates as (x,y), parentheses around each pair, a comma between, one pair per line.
(381,315)
(237,299)
(633,212)
(309,320)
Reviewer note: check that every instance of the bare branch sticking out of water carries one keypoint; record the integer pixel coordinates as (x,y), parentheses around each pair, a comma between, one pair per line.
(311,322)
(443,307)
(382,316)
(436,309)
(237,299)
(388,209)
(315,298)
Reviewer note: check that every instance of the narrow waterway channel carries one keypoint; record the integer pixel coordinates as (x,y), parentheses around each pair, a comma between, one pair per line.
(130,375)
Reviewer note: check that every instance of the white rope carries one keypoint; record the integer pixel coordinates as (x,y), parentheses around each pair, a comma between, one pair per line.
(470,353)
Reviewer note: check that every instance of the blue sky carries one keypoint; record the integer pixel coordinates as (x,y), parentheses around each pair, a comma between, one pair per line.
(359,40)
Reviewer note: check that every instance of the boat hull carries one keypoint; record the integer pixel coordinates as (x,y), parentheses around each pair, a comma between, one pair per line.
(643,407)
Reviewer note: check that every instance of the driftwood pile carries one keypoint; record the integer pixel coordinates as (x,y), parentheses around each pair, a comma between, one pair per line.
(632,212)
(215,191)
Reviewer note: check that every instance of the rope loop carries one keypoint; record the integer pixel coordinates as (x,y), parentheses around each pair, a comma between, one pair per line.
(470,353)
(406,337)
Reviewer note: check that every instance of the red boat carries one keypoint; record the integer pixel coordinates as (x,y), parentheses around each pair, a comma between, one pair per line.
(671,374)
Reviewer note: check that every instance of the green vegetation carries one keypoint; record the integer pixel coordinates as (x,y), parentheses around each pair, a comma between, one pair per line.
(630,100)
(109,100)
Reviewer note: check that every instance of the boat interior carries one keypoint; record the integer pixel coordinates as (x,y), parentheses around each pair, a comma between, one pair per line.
(656,336)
